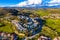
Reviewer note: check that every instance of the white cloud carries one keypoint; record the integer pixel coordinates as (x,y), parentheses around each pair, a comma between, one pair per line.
(22,4)
(54,3)
(33,3)
(29,2)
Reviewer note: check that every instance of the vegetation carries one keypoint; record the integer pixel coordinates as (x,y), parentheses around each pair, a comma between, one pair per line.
(51,27)
(42,12)
(5,26)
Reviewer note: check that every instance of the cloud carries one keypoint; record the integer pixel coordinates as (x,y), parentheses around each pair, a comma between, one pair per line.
(38,3)
(29,2)
(54,3)
(33,3)
(22,4)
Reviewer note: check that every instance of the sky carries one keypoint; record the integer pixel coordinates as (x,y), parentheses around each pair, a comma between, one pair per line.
(27,3)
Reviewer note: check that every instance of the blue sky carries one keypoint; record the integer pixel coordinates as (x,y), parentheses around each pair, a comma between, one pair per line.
(27,3)
(9,2)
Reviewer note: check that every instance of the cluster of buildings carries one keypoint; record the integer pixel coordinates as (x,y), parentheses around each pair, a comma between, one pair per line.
(31,22)
(8,36)
(31,25)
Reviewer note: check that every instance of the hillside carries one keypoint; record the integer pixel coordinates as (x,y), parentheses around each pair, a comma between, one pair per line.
(50,18)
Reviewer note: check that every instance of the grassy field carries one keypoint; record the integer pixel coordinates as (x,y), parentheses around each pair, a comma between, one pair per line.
(42,12)
(54,24)
(51,28)
(7,27)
